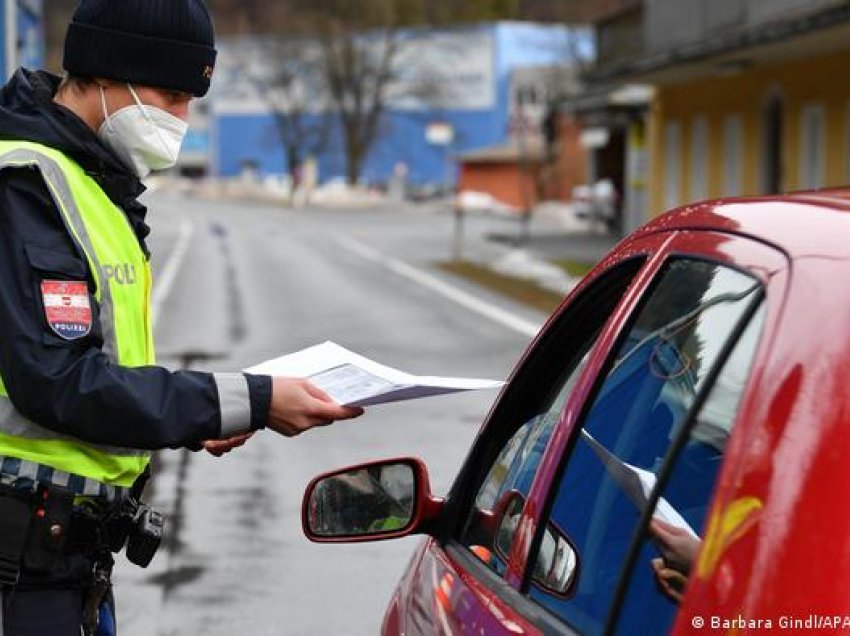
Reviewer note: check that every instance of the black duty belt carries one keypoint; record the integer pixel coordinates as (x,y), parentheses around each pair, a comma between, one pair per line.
(15,515)
(39,524)
(37,527)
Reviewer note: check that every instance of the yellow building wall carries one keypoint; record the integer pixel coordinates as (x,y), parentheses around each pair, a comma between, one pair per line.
(820,80)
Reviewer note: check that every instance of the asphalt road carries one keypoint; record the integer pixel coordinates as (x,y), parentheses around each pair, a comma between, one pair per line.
(239,283)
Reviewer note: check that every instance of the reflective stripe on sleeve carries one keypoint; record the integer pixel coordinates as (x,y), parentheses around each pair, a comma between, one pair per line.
(234,403)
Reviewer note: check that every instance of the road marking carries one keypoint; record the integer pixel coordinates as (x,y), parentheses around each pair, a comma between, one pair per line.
(496,314)
(165,281)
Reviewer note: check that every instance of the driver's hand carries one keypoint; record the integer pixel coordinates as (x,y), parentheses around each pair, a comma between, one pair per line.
(218,447)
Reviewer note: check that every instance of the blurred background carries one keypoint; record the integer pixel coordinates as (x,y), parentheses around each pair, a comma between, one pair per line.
(622,107)
(422,181)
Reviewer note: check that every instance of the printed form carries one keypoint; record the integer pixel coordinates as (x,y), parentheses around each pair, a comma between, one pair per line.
(354,380)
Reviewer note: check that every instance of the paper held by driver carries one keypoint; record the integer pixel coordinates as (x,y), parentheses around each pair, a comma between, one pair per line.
(354,380)
(637,484)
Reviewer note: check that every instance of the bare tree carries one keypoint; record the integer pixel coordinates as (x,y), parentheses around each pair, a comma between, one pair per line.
(360,44)
(359,66)
(289,82)
(328,83)
(370,62)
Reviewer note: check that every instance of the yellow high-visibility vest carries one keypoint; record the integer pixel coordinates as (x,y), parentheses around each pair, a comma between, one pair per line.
(122,278)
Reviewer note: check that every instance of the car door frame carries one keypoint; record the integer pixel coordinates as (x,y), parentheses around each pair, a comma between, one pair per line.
(767,263)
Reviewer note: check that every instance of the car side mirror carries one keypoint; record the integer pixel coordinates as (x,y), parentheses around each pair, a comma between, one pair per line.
(507,513)
(368,502)
(491,531)
(556,566)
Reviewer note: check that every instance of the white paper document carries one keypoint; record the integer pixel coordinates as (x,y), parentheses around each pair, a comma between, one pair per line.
(355,380)
(637,484)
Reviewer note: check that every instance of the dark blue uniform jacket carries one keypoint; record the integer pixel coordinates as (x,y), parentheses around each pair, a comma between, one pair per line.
(69,385)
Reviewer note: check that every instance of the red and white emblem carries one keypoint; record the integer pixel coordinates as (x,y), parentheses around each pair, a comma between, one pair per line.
(67,308)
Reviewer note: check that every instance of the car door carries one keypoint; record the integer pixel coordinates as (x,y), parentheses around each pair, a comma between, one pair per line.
(593,356)
(628,501)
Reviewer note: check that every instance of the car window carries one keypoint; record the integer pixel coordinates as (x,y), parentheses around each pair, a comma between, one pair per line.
(526,425)
(656,373)
(512,473)
(659,577)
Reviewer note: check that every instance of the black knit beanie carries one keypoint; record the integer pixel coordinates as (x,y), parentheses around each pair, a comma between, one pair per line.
(161,43)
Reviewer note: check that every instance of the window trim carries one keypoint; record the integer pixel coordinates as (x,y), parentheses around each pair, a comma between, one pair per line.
(493,434)
(664,256)
(748,254)
(673,454)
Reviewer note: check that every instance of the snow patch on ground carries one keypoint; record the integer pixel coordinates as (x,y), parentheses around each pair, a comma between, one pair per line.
(523,264)
(339,194)
(471,201)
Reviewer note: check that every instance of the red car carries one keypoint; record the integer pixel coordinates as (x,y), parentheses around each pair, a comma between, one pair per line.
(672,453)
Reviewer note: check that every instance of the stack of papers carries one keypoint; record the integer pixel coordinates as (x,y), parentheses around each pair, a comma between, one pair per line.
(354,380)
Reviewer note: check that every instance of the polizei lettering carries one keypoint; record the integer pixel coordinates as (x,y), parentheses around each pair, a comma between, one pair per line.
(122,273)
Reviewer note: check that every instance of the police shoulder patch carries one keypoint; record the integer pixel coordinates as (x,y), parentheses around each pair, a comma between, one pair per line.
(67,308)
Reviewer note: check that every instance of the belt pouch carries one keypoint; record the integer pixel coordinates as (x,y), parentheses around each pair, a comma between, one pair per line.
(15,515)
(49,529)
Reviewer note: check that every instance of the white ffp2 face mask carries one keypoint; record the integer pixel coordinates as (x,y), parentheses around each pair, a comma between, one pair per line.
(145,137)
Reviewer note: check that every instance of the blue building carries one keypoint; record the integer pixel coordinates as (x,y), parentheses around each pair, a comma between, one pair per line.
(418,138)
(21,35)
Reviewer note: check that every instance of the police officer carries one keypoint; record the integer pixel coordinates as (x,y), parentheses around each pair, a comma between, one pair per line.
(81,404)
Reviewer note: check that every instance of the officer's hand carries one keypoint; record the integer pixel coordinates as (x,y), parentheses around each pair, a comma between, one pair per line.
(218,447)
(297,406)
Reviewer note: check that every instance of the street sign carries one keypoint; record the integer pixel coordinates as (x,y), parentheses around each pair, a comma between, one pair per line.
(439,133)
